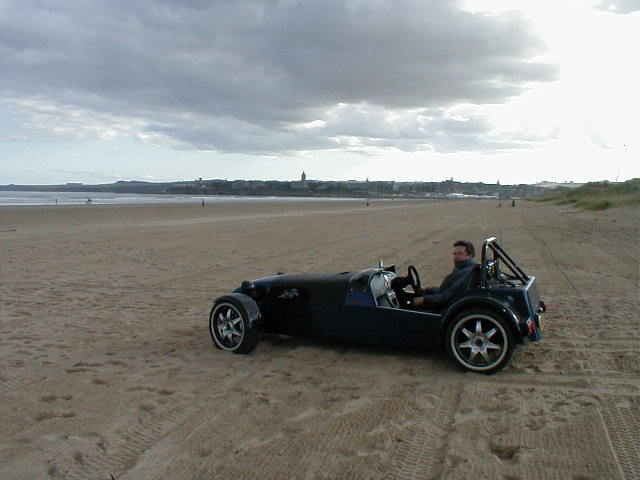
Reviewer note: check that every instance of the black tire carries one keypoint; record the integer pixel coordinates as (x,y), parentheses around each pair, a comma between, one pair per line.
(230,328)
(480,341)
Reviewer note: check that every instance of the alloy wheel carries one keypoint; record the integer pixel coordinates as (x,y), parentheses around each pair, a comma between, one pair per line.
(227,324)
(479,342)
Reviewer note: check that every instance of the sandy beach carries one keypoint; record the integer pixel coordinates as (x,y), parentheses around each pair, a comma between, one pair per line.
(107,367)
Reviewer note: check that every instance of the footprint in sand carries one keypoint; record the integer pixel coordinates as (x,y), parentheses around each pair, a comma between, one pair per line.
(138,388)
(78,457)
(353,405)
(118,363)
(147,407)
(310,412)
(534,425)
(506,453)
(203,451)
(46,415)
(43,416)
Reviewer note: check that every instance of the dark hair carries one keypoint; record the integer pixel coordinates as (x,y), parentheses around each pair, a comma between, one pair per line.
(468,246)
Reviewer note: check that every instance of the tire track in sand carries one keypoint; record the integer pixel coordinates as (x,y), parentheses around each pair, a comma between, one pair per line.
(20,376)
(121,451)
(334,433)
(622,423)
(420,456)
(621,417)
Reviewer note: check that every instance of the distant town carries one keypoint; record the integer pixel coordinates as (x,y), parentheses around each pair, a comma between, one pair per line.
(305,187)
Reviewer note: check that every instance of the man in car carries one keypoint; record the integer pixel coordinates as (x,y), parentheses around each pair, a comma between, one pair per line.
(454,283)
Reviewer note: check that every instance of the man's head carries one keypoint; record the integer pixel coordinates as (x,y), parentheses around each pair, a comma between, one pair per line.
(463,250)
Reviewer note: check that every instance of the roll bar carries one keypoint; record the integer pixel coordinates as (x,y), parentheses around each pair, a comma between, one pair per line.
(499,253)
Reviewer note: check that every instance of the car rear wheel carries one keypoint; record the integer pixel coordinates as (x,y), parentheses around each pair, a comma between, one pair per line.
(480,341)
(230,328)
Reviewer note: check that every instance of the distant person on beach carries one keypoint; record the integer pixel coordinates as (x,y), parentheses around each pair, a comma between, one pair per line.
(203,202)
(453,284)
(513,202)
(88,201)
(56,201)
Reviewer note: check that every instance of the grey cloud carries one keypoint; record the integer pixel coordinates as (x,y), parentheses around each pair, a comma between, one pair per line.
(621,7)
(439,130)
(52,121)
(230,135)
(242,76)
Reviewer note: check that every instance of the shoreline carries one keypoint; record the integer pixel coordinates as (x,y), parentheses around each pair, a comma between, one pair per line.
(403,201)
(44,198)
(196,200)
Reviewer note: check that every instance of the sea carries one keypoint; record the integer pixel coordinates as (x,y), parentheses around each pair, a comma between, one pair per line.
(105,198)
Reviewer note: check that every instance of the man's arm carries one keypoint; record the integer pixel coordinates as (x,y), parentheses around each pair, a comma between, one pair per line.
(443,297)
(427,290)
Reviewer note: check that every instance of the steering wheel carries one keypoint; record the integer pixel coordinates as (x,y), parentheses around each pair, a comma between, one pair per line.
(413,276)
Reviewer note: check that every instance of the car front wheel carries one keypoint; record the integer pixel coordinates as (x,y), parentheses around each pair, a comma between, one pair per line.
(480,341)
(230,328)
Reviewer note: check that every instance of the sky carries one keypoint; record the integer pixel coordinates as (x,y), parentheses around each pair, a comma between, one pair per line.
(516,91)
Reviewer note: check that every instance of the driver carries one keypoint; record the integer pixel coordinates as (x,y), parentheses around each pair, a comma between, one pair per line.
(454,283)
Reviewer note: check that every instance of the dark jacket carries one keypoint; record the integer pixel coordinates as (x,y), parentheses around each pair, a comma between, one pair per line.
(452,285)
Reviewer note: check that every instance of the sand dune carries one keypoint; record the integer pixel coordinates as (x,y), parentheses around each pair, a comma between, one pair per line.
(107,367)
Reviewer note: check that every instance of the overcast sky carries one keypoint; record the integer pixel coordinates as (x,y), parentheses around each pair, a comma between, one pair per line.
(95,91)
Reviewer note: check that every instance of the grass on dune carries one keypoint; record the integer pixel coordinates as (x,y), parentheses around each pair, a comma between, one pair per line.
(596,195)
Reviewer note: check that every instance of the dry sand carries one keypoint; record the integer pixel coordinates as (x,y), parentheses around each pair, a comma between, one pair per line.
(107,367)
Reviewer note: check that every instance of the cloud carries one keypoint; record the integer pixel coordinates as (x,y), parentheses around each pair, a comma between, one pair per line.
(590,128)
(442,130)
(621,7)
(248,76)
(13,138)
(53,121)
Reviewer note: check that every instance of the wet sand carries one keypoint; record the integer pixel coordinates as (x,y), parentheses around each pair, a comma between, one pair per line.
(107,367)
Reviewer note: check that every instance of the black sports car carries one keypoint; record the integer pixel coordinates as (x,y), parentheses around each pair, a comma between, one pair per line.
(500,308)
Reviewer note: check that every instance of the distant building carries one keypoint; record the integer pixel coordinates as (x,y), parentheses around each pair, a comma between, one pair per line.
(354,185)
(545,184)
(302,184)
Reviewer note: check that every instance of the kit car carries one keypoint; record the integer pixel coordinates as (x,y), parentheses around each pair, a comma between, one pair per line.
(499,309)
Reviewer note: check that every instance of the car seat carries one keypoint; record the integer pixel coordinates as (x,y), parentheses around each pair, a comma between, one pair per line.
(474,277)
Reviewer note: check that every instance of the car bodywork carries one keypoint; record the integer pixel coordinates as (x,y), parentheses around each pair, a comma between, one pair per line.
(365,308)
